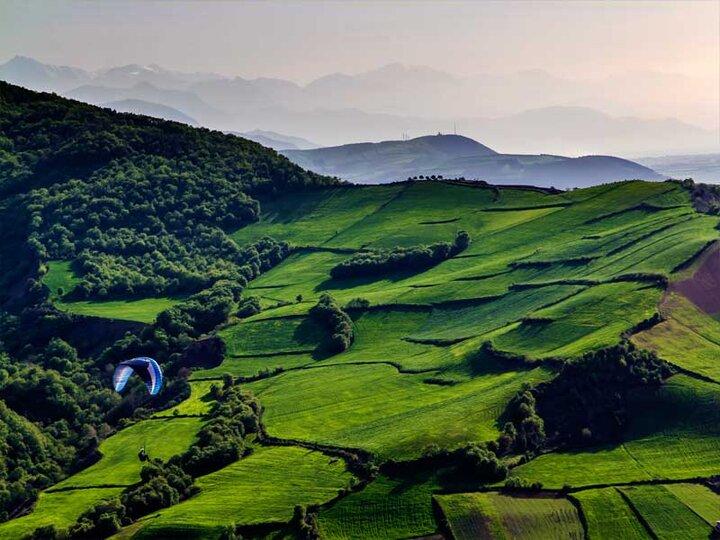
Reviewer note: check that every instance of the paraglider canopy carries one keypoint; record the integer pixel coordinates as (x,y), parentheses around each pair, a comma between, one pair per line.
(146,368)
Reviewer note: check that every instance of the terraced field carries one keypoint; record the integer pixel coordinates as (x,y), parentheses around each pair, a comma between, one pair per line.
(261,488)
(493,515)
(387,508)
(680,440)
(547,276)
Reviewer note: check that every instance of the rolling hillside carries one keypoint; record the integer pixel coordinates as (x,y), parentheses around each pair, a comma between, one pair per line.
(454,156)
(480,367)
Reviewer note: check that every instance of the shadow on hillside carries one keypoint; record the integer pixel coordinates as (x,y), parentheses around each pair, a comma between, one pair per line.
(350,283)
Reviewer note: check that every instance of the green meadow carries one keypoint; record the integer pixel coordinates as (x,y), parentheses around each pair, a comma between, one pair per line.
(261,488)
(119,464)
(546,278)
(60,509)
(493,515)
(386,508)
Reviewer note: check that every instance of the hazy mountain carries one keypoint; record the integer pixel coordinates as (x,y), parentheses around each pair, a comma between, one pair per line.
(701,167)
(35,75)
(137,106)
(455,156)
(561,130)
(581,130)
(132,74)
(182,100)
(276,141)
(528,111)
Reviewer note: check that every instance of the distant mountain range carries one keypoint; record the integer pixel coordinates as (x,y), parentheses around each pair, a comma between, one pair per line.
(138,106)
(700,167)
(454,156)
(558,115)
(276,141)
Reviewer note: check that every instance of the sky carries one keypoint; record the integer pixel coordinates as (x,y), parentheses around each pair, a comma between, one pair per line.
(304,40)
(301,41)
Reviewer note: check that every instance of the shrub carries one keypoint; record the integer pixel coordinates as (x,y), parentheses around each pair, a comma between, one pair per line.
(337,322)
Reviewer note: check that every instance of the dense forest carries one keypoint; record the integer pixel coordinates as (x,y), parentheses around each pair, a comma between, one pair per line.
(141,207)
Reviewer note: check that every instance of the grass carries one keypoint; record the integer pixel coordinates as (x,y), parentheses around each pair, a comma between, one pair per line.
(143,310)
(688,337)
(60,276)
(255,337)
(261,488)
(666,515)
(378,409)
(608,515)
(673,433)
(252,365)
(700,499)
(316,217)
(593,319)
(493,515)
(537,280)
(120,466)
(60,509)
(387,508)
(198,404)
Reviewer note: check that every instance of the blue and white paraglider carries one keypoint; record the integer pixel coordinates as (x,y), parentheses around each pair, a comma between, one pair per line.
(146,368)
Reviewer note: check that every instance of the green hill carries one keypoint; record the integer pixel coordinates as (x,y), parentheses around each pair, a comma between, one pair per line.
(502,390)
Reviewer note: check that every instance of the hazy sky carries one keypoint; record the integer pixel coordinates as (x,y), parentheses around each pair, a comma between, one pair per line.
(303,40)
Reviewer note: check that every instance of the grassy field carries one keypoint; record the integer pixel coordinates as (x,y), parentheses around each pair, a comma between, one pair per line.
(60,509)
(198,404)
(497,516)
(608,515)
(665,514)
(120,465)
(546,275)
(589,320)
(261,488)
(687,337)
(387,508)
(680,439)
(378,409)
(60,278)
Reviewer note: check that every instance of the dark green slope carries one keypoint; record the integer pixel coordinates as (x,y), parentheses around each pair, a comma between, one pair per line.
(111,189)
(138,206)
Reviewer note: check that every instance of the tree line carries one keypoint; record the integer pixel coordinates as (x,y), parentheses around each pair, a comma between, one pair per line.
(384,261)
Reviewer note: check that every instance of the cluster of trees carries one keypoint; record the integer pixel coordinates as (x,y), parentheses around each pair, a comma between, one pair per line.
(221,439)
(143,205)
(587,402)
(52,416)
(524,431)
(47,139)
(339,324)
(428,177)
(248,307)
(384,261)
